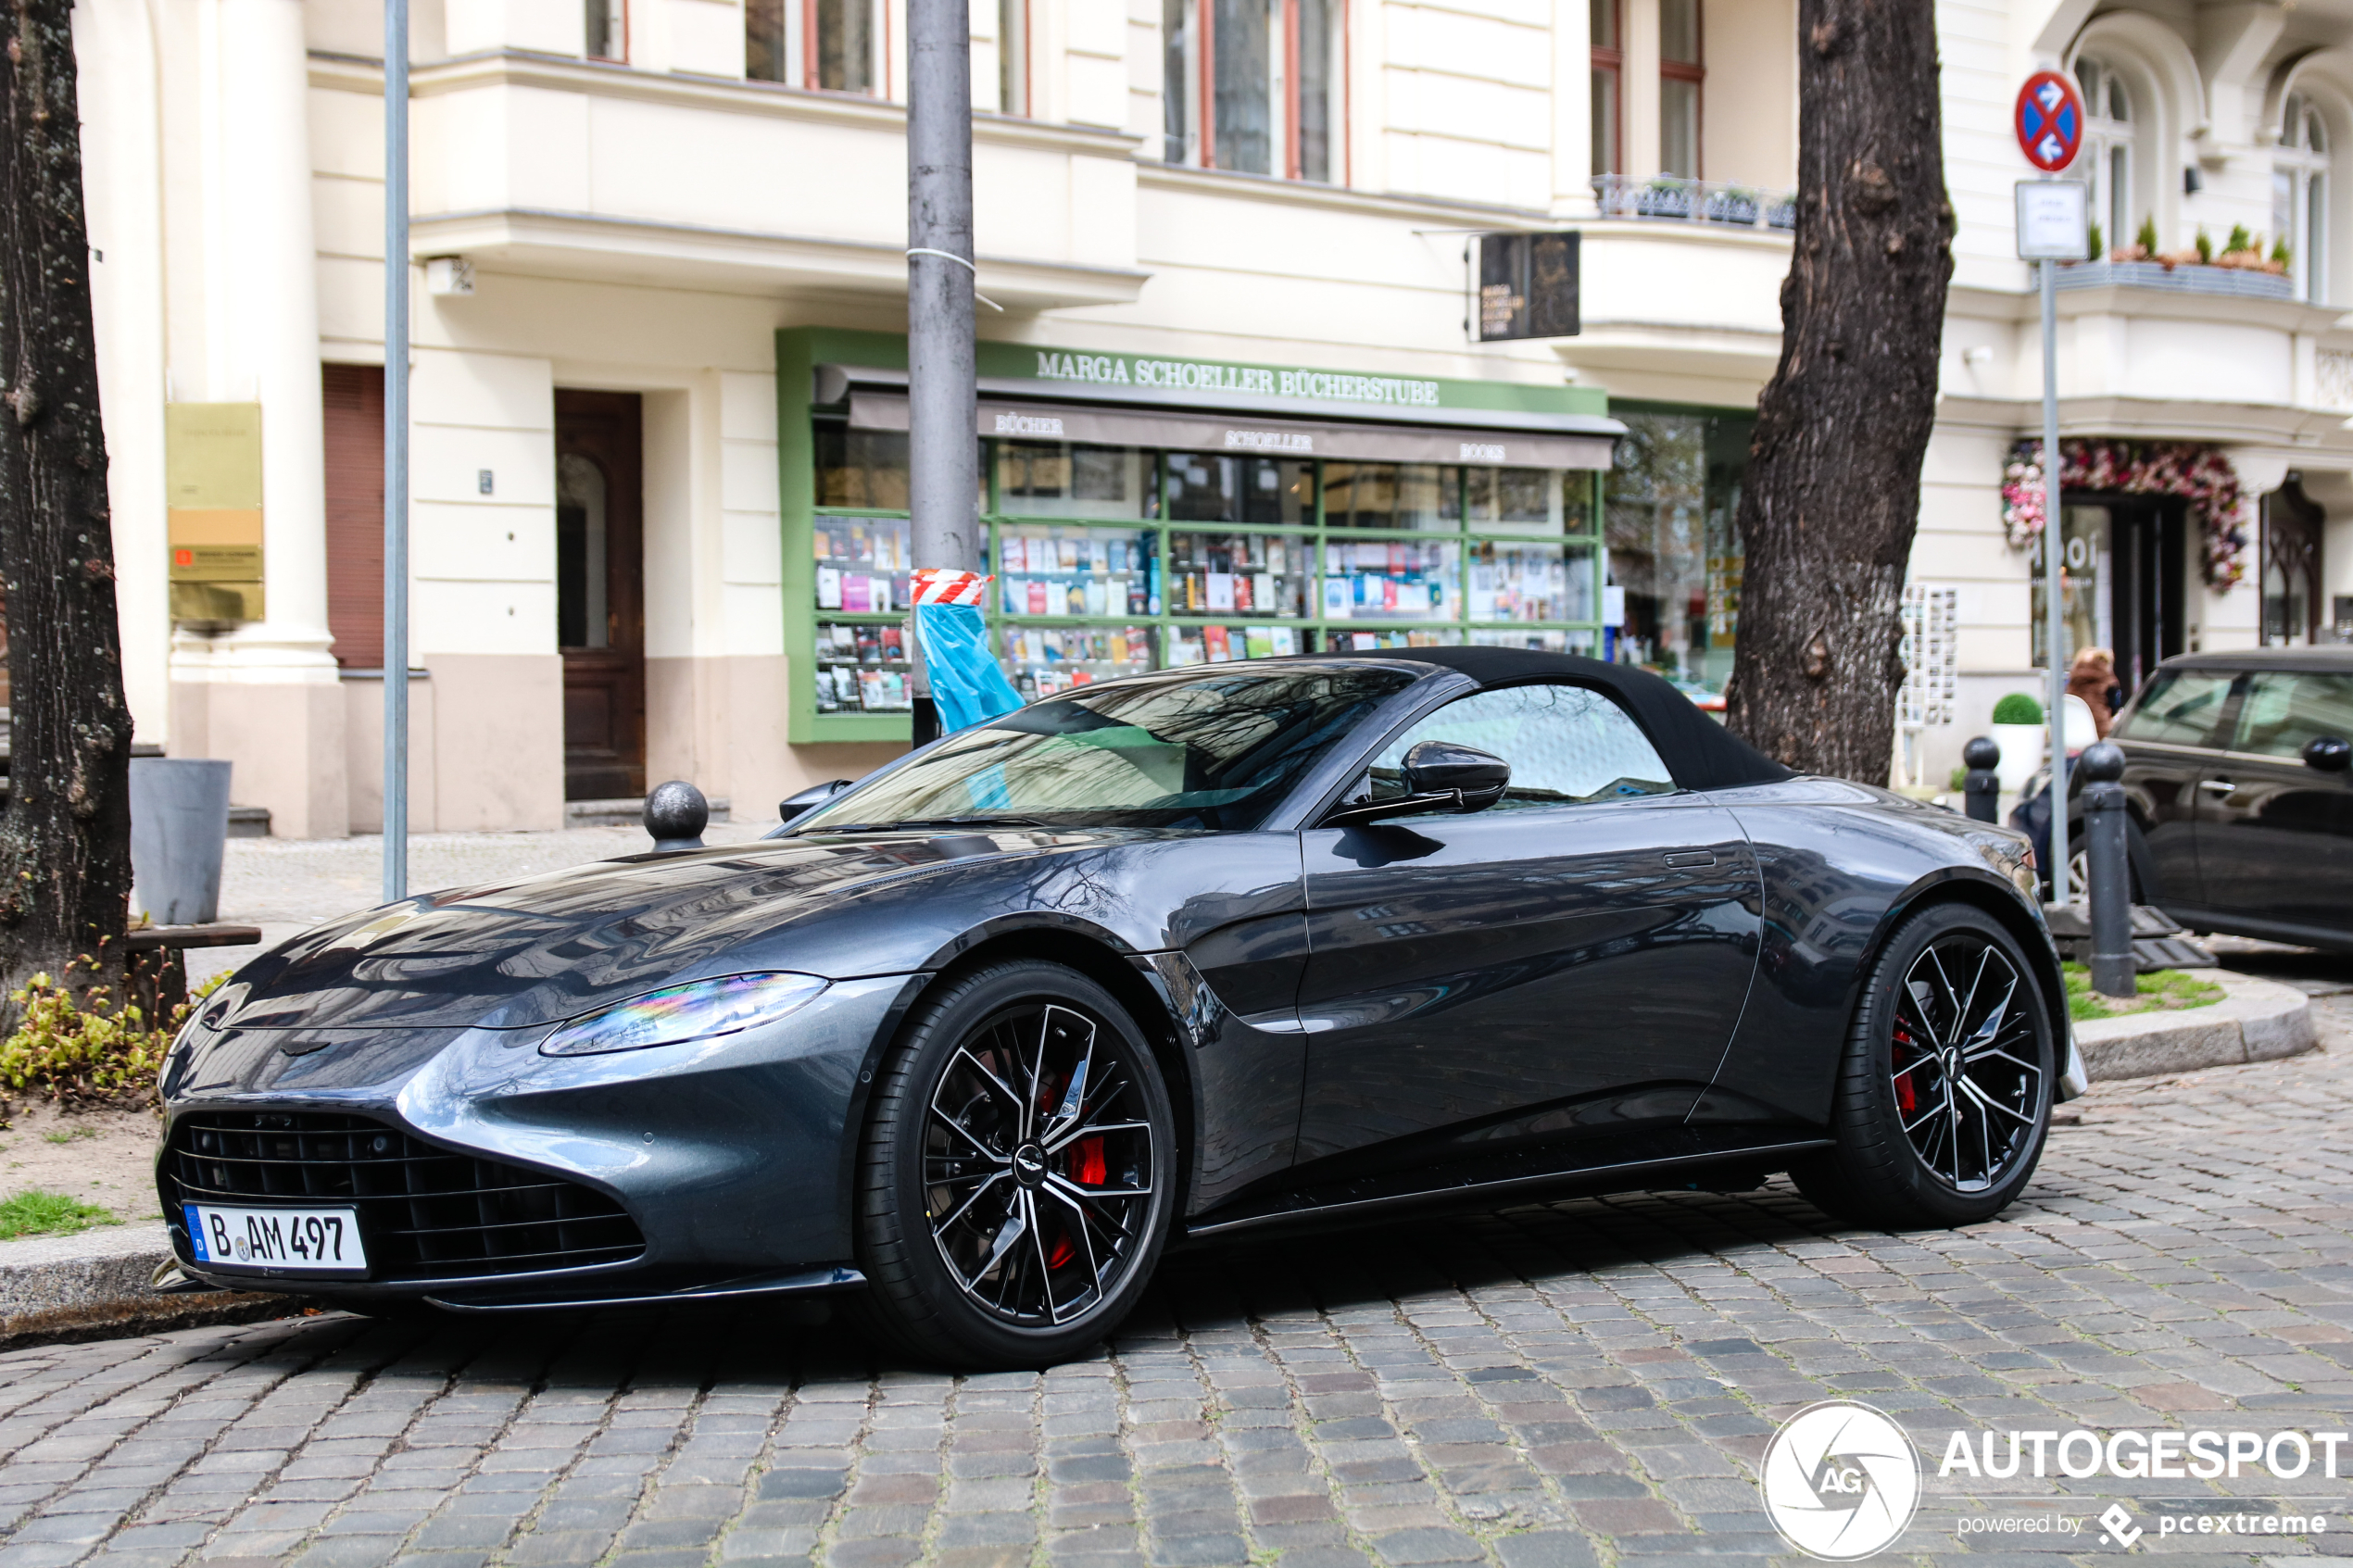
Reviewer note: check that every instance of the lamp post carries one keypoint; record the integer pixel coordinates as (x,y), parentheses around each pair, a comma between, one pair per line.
(395,654)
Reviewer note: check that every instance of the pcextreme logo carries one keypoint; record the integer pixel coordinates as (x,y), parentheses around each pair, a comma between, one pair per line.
(1840,1481)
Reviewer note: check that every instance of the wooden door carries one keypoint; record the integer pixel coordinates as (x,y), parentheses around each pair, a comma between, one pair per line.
(600,593)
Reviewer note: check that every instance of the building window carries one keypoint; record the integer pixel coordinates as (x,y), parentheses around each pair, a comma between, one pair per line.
(1679,84)
(1609,60)
(353,406)
(1013,56)
(608,30)
(2108,112)
(2300,196)
(2293,526)
(834,49)
(1253,85)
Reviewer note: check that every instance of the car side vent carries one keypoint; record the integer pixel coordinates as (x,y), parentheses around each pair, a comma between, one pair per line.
(427,1212)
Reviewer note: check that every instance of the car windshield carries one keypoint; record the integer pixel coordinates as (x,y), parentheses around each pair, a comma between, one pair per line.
(1219,751)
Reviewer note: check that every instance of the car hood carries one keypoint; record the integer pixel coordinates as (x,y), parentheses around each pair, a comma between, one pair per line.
(534,952)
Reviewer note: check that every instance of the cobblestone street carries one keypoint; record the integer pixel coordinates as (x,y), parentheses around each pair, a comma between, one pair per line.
(1585,1382)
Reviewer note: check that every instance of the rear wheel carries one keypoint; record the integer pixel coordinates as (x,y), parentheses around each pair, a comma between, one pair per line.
(1944,1099)
(1017,1178)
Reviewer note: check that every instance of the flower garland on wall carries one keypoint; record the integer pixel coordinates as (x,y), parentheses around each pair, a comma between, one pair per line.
(2202,475)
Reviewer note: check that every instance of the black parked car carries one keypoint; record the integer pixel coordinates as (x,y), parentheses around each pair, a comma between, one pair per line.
(1181,955)
(2242,804)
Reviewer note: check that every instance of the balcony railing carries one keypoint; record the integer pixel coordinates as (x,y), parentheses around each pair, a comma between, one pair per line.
(1694,201)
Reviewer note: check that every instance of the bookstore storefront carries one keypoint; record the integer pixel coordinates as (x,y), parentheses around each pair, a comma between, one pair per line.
(1141,513)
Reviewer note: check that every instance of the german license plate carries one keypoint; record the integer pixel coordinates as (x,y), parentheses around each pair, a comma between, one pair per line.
(282,1240)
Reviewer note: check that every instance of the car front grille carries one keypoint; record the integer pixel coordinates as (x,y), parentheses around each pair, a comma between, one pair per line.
(426,1212)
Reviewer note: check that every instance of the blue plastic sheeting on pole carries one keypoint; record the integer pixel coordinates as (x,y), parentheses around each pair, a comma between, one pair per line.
(966,682)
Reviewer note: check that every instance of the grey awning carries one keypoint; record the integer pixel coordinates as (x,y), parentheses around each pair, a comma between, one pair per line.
(1246,434)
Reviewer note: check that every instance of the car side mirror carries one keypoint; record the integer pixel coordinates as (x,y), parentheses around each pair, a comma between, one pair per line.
(2328,754)
(808,799)
(1440,776)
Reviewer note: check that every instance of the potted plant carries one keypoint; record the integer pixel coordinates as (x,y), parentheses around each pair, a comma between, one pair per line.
(1733,205)
(1664,197)
(1783,214)
(2018,729)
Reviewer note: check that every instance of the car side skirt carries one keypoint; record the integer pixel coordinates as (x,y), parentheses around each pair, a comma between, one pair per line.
(1430,1187)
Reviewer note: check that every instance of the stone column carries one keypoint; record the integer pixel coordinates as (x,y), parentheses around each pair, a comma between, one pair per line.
(266,694)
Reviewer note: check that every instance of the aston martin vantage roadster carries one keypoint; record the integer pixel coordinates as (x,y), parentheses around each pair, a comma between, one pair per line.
(1183,955)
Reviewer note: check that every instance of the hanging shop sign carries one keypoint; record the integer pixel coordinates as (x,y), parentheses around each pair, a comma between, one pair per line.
(1526,286)
(212,500)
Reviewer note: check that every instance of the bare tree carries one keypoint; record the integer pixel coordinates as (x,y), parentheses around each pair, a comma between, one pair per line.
(1831,498)
(64,837)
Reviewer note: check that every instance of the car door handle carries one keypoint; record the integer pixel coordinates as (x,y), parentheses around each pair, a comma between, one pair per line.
(1692,858)
(2217,786)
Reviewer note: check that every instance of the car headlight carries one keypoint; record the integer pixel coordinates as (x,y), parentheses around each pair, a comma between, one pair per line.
(697,1010)
(2012,859)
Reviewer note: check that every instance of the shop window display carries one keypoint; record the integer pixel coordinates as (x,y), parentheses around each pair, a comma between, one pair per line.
(1043,570)
(1252,574)
(1391,579)
(1111,562)
(861,669)
(1209,488)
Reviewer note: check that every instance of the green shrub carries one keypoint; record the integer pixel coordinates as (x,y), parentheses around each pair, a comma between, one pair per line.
(2204,245)
(2098,249)
(77,1046)
(2146,238)
(50,1213)
(2018,708)
(2240,239)
(2280,252)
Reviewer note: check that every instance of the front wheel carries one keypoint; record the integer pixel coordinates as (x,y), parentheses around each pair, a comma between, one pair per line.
(1944,1099)
(1017,1173)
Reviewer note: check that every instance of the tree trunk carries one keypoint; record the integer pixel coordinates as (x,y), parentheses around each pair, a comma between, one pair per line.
(64,837)
(1832,498)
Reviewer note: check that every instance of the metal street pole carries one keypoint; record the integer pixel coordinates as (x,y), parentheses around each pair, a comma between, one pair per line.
(942,421)
(395,654)
(2054,570)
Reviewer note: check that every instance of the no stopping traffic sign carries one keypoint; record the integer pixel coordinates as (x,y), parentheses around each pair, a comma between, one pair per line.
(2049,121)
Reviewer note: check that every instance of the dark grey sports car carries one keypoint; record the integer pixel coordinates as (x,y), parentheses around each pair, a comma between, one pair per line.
(1229,947)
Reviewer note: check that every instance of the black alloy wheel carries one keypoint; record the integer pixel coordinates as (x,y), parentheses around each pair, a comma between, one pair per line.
(1944,1099)
(1017,1176)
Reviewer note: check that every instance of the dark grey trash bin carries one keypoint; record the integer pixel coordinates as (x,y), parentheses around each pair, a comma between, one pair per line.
(179,820)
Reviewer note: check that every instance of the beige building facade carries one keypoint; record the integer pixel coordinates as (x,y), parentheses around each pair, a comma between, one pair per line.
(657,283)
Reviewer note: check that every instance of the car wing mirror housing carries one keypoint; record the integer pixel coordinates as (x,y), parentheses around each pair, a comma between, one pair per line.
(2328,754)
(1440,776)
(808,799)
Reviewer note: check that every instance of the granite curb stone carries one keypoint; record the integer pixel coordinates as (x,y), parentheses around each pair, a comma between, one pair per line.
(2256,1021)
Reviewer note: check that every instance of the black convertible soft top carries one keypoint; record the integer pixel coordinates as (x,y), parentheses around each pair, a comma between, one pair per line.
(1701,753)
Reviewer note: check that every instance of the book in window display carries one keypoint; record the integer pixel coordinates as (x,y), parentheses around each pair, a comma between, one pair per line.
(862,669)
(1390,580)
(1042,660)
(1246,574)
(863,564)
(1050,571)
(1219,645)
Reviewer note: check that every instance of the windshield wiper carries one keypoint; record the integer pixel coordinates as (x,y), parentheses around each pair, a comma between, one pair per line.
(930,822)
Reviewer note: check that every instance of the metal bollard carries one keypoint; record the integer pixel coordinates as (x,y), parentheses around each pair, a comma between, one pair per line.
(1982,791)
(2110,893)
(675,814)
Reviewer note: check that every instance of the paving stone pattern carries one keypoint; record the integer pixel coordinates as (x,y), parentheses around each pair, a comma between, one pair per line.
(1565,1385)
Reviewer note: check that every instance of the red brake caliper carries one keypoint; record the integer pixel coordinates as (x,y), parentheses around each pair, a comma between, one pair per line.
(1905,1098)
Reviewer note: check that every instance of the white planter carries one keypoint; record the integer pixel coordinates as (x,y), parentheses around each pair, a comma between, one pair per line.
(2022,754)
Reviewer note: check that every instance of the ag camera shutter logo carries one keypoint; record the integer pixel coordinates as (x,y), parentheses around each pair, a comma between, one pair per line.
(1840,1481)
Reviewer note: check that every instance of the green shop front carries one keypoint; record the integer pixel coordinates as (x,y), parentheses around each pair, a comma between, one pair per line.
(1143,512)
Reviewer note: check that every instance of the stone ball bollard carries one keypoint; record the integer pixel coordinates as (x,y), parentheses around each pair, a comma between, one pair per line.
(1981,789)
(675,815)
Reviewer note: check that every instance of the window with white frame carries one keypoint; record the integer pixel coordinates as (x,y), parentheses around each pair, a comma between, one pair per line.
(1013,56)
(1253,85)
(2300,196)
(821,43)
(2107,146)
(608,37)
(1680,76)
